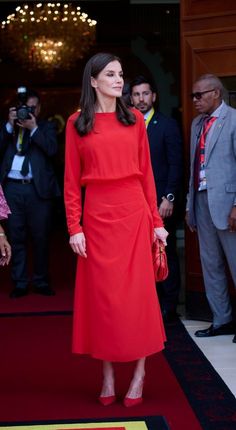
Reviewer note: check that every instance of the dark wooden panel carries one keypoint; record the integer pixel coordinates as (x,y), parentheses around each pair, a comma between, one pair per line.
(207,7)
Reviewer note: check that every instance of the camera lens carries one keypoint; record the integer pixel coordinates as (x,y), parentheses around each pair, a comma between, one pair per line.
(23,113)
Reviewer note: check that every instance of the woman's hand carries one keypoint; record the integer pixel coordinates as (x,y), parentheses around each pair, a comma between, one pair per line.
(78,244)
(161,234)
(5,250)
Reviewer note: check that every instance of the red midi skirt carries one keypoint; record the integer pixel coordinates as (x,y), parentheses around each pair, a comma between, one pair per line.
(116,310)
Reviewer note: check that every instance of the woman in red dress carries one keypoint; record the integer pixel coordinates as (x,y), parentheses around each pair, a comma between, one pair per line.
(116,310)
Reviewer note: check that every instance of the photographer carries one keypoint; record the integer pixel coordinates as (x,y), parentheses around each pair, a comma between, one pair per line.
(27,146)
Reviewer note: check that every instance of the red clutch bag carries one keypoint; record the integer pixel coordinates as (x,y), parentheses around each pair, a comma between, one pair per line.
(159,261)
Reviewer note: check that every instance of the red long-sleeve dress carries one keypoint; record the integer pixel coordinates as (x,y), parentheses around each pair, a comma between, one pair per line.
(116,310)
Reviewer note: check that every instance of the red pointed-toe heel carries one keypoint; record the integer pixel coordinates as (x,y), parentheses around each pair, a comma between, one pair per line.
(107,400)
(128,402)
(134,401)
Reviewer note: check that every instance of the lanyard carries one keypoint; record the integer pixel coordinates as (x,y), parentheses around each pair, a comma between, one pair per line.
(149,117)
(20,140)
(206,127)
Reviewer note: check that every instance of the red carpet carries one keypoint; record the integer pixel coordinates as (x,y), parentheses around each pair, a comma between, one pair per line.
(62,275)
(42,381)
(35,303)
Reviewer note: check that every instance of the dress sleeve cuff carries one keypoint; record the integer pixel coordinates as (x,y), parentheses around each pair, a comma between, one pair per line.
(75,229)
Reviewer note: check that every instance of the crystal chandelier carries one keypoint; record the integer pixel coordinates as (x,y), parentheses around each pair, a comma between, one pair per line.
(47,35)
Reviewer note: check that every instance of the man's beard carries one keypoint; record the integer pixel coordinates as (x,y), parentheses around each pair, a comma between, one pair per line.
(143,108)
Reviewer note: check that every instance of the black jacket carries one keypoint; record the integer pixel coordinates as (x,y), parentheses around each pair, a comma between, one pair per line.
(41,149)
(166,155)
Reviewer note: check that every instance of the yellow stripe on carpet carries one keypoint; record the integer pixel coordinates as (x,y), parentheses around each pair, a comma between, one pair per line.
(130,425)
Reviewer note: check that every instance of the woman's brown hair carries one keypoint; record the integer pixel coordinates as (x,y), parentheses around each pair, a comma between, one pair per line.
(85,121)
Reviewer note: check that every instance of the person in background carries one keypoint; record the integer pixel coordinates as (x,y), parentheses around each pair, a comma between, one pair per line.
(167,163)
(27,147)
(211,202)
(115,305)
(5,248)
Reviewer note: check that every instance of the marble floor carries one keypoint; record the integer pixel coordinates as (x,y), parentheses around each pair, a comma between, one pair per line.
(219,350)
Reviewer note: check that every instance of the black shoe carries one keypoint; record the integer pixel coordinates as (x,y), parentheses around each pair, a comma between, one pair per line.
(18,292)
(228,328)
(170,316)
(45,291)
(234,339)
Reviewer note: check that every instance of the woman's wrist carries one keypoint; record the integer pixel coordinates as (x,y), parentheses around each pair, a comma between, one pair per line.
(2,234)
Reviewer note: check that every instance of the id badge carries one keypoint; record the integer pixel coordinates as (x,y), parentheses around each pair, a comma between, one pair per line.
(202,175)
(202,182)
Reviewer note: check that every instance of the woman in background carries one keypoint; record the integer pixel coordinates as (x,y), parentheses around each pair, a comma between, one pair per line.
(116,311)
(5,249)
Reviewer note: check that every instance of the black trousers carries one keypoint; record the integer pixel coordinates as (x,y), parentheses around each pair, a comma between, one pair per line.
(30,219)
(168,290)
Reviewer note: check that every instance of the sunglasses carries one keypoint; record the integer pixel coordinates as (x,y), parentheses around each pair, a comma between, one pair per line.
(198,95)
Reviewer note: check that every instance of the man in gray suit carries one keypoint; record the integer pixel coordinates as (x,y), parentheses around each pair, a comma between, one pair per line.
(211,201)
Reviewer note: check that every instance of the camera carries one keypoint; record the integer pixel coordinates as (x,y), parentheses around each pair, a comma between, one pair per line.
(22,110)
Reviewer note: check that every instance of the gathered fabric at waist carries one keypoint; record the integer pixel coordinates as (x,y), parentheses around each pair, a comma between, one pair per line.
(87,180)
(115,192)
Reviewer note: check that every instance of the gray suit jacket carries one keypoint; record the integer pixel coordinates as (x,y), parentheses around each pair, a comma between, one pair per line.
(220,167)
